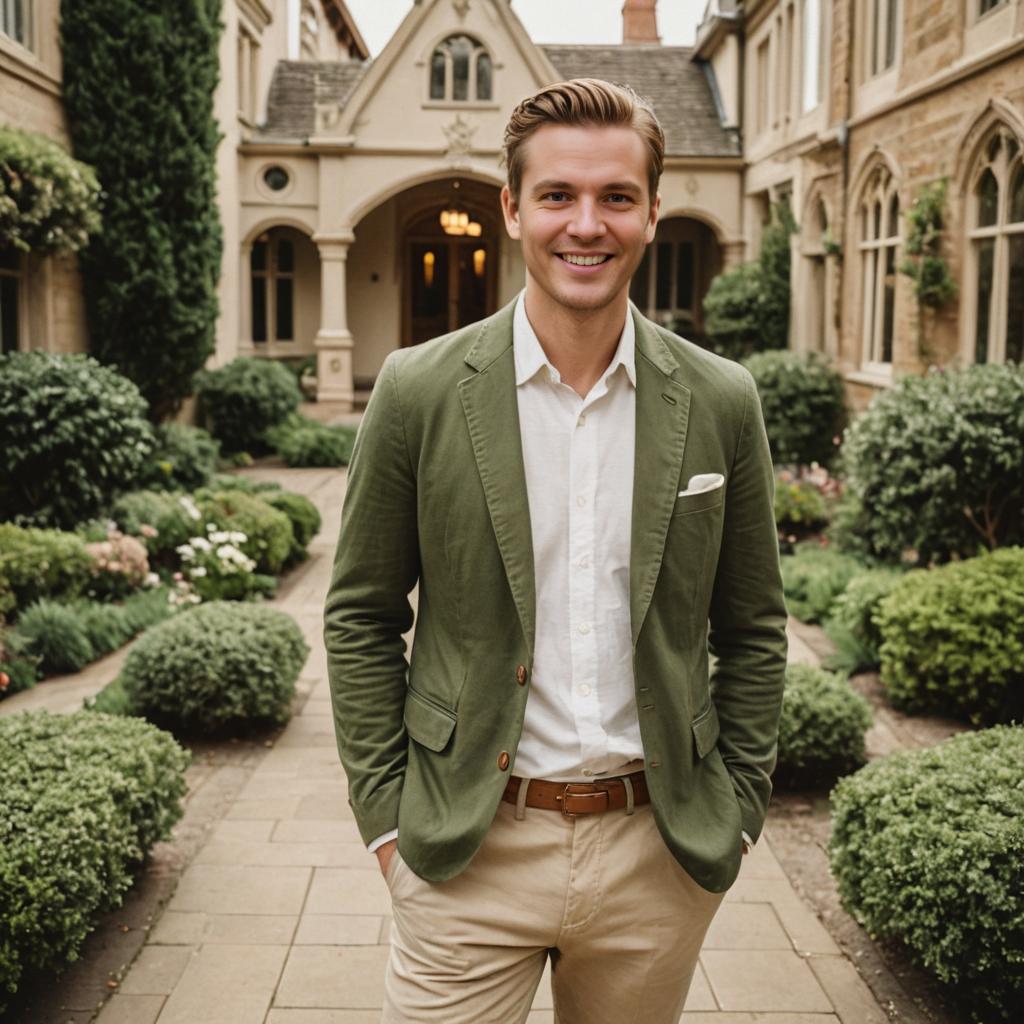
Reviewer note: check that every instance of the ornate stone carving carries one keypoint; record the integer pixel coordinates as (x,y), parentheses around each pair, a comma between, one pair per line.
(461,8)
(460,137)
(327,117)
(692,185)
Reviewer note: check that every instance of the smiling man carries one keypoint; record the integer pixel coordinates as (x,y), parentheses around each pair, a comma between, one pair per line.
(585,501)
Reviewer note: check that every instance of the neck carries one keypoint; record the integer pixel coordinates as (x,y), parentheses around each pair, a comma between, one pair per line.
(580,343)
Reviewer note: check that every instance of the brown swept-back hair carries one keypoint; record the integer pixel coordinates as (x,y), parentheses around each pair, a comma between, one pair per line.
(584,101)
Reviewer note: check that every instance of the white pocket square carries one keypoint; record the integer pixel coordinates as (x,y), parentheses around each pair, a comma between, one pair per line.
(702,482)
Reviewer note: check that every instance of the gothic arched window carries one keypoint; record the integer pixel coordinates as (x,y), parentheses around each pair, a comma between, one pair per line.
(461,71)
(879,238)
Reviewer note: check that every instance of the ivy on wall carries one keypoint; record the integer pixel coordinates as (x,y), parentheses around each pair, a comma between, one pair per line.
(139,79)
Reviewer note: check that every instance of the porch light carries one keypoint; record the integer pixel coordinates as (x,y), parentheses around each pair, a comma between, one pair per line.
(428,269)
(457,222)
(479,261)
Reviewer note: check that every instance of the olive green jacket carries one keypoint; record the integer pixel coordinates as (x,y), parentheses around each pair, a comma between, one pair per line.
(437,496)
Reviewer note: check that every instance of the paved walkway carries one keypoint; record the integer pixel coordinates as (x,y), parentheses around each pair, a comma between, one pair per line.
(282,917)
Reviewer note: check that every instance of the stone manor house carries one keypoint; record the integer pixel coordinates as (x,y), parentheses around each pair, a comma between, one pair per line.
(359,197)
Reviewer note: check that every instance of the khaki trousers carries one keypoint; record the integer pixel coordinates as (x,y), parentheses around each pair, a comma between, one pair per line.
(622,922)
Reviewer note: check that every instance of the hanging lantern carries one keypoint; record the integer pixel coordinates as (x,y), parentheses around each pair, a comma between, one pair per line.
(428,269)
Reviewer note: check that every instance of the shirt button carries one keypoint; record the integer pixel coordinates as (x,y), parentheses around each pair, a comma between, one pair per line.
(588,772)
(584,562)
(583,690)
(521,675)
(503,760)
(584,628)
(581,501)
(582,421)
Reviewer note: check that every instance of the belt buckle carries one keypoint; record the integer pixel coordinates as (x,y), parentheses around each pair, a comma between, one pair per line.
(592,795)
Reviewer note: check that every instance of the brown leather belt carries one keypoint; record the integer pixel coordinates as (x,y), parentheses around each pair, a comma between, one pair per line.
(576,798)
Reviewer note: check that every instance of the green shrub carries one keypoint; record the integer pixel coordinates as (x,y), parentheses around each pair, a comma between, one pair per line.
(851,626)
(269,535)
(218,569)
(953,638)
(18,669)
(185,458)
(38,563)
(813,577)
(54,633)
(75,434)
(935,466)
(48,201)
(799,505)
(82,799)
(301,441)
(174,517)
(821,731)
(244,399)
(927,848)
(304,516)
(239,482)
(802,400)
(217,668)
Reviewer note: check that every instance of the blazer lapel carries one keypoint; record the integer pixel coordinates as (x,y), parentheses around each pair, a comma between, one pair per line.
(492,415)
(662,413)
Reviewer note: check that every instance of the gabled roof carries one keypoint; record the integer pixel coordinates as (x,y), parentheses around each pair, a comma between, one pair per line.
(675,84)
(681,93)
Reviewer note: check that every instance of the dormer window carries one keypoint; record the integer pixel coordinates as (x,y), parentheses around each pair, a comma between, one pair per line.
(461,71)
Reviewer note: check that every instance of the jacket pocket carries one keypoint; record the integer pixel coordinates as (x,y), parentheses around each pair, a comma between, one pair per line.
(427,722)
(705,731)
(700,502)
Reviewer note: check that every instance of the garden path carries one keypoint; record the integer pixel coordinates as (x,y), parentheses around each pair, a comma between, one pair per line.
(282,917)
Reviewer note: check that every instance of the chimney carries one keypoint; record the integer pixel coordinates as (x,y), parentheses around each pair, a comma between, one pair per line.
(640,22)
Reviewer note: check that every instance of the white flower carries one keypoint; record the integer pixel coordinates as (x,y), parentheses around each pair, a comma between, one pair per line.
(237,537)
(152,579)
(198,571)
(190,507)
(200,544)
(186,552)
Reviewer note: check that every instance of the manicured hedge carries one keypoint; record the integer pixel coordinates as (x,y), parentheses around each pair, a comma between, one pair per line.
(304,516)
(185,458)
(927,848)
(301,441)
(813,577)
(269,532)
(851,625)
(821,731)
(38,563)
(217,668)
(953,638)
(82,798)
(174,517)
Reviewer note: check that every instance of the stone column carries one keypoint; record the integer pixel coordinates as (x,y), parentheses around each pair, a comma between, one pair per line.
(334,340)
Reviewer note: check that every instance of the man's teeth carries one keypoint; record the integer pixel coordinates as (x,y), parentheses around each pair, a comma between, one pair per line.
(584,261)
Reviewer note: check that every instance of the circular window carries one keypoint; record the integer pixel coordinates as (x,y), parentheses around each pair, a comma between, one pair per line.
(276,178)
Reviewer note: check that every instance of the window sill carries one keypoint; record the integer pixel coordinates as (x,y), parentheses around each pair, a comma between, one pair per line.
(25,63)
(460,105)
(878,376)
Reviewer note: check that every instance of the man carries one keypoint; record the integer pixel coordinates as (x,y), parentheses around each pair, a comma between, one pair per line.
(585,501)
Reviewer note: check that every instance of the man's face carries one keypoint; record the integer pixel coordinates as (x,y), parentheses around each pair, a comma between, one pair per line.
(584,215)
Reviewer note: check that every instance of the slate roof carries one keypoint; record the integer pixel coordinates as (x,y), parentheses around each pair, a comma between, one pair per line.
(676,85)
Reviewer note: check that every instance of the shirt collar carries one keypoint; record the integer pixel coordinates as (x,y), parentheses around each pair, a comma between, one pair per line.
(530,357)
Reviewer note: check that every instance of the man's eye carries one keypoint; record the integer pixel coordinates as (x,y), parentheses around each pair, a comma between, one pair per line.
(557,197)
(618,198)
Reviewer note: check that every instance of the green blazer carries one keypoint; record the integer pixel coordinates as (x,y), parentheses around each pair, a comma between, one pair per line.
(437,496)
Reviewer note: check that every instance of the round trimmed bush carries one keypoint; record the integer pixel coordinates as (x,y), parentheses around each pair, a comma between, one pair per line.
(82,798)
(927,848)
(935,466)
(269,531)
(301,441)
(37,563)
(821,731)
(218,668)
(813,577)
(244,399)
(851,625)
(185,458)
(75,434)
(304,516)
(953,638)
(174,517)
(802,400)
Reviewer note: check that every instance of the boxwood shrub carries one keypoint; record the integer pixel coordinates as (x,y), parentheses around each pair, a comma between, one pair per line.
(185,458)
(802,400)
(18,670)
(813,577)
(927,848)
(821,731)
(244,399)
(75,433)
(935,466)
(304,517)
(174,517)
(953,638)
(301,441)
(851,625)
(269,531)
(38,563)
(82,799)
(218,668)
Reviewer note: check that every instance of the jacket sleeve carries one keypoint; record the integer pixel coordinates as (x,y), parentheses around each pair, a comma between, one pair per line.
(367,610)
(747,630)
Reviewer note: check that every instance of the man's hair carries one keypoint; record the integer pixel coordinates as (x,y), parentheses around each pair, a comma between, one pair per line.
(584,102)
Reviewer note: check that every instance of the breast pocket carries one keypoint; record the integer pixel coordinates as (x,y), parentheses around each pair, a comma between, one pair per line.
(701,502)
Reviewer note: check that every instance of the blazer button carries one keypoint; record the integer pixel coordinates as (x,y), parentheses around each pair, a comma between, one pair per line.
(503,760)
(521,675)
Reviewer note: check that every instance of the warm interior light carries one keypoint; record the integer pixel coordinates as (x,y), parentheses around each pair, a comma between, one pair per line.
(457,222)
(479,261)
(473,229)
(428,269)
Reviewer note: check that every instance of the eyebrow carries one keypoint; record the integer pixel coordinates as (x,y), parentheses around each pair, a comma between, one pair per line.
(565,186)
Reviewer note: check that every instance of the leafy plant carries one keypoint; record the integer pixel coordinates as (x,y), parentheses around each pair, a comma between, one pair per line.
(821,730)
(38,563)
(927,848)
(798,505)
(75,434)
(802,401)
(18,669)
(217,668)
(924,262)
(185,458)
(163,520)
(268,532)
(301,441)
(935,467)
(48,201)
(953,638)
(304,516)
(813,577)
(151,274)
(851,625)
(84,796)
(219,570)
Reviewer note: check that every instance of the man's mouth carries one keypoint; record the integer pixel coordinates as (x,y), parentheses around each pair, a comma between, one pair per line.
(584,261)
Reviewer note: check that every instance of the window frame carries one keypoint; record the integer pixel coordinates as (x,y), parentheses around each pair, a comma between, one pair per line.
(874,252)
(267,280)
(8,9)
(478,51)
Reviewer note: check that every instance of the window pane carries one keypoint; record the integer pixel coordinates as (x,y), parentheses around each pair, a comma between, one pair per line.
(437,63)
(894,216)
(283,321)
(985,6)
(811,53)
(890,301)
(638,286)
(483,77)
(461,49)
(890,33)
(1017,196)
(871,285)
(8,314)
(663,286)
(874,37)
(985,249)
(258,260)
(988,199)
(259,309)
(285,256)
(877,222)
(684,276)
(1015,302)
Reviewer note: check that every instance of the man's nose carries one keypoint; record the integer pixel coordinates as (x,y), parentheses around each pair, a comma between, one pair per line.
(587,221)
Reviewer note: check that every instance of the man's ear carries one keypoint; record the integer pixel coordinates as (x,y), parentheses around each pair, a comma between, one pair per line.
(510,210)
(652,220)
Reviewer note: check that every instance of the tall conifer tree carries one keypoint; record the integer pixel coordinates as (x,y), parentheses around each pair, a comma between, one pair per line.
(139,80)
